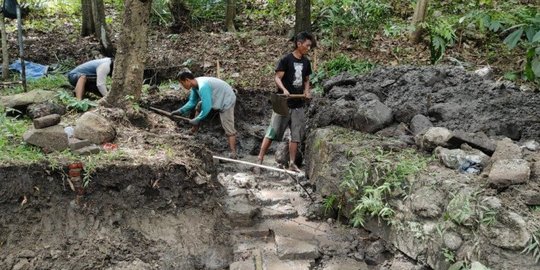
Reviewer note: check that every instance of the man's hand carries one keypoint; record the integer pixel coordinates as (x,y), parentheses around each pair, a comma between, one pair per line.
(177,112)
(194,121)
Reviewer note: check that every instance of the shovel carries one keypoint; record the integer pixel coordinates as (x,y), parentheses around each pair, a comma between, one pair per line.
(166,113)
(279,102)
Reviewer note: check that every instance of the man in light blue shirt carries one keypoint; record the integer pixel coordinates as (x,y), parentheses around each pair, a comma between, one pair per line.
(91,75)
(213,93)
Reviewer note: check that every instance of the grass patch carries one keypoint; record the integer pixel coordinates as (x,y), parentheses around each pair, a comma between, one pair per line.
(12,147)
(375,176)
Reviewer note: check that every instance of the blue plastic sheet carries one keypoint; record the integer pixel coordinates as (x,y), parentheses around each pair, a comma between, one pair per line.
(33,70)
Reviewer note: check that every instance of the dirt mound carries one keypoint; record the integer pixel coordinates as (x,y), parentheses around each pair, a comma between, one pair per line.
(449,96)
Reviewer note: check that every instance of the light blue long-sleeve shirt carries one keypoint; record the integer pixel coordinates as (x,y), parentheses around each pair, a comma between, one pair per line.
(213,93)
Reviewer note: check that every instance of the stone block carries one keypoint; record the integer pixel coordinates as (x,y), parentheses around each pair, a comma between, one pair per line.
(46,121)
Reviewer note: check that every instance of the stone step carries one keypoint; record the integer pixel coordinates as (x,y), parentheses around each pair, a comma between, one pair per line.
(240,212)
(278,212)
(344,263)
(293,249)
(273,196)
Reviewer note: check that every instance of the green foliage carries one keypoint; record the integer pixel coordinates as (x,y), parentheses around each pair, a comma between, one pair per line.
(376,174)
(358,20)
(71,102)
(534,246)
(449,255)
(521,27)
(201,11)
(278,13)
(487,215)
(460,209)
(160,12)
(12,147)
(329,203)
(441,34)
(339,64)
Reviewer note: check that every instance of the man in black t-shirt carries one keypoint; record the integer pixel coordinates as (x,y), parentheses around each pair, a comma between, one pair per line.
(292,77)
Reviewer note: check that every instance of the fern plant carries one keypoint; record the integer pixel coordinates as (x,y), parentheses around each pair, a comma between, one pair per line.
(534,246)
(442,35)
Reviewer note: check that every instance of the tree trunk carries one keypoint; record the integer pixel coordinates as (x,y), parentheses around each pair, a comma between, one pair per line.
(132,46)
(5,52)
(418,17)
(303,16)
(98,12)
(231,13)
(180,13)
(87,28)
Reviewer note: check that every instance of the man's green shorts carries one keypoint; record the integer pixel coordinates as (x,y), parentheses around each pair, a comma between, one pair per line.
(295,120)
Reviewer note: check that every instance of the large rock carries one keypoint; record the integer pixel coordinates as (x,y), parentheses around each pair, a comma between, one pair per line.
(420,123)
(339,80)
(509,232)
(95,128)
(477,140)
(46,121)
(347,108)
(427,202)
(458,158)
(25,99)
(508,172)
(506,149)
(45,108)
(435,136)
(444,111)
(50,138)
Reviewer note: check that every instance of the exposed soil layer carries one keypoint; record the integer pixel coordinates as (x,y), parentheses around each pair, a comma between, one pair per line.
(126,217)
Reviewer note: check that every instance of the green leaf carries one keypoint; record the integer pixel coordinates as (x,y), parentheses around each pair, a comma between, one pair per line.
(495,26)
(536,67)
(513,39)
(536,37)
(457,266)
(530,33)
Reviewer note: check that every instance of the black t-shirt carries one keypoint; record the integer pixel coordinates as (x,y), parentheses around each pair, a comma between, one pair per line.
(293,79)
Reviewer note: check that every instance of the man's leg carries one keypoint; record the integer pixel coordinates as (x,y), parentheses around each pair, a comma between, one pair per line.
(227,122)
(232,145)
(264,147)
(79,87)
(297,134)
(195,128)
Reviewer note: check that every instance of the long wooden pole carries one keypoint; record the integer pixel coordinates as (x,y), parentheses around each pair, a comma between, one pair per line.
(258,165)
(5,53)
(21,47)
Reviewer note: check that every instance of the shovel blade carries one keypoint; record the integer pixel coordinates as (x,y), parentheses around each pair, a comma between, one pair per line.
(279,104)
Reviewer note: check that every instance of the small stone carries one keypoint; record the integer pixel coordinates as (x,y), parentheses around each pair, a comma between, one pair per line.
(88,150)
(46,121)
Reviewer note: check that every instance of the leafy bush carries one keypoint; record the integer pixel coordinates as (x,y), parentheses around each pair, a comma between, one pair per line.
(442,35)
(202,11)
(71,102)
(519,24)
(350,18)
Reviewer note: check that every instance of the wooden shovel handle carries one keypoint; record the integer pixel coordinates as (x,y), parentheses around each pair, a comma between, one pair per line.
(160,111)
(293,95)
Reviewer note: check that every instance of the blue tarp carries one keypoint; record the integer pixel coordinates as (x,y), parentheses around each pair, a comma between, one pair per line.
(33,70)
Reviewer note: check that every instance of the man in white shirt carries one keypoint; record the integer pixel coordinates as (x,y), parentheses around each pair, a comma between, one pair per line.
(91,75)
